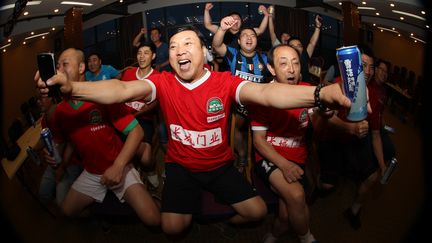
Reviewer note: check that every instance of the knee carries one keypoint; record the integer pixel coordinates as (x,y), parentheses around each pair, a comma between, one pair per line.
(172,228)
(259,211)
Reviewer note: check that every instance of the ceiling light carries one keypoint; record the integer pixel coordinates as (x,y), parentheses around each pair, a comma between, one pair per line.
(340,3)
(392,5)
(32,33)
(427,26)
(121,1)
(417,39)
(24,42)
(423,12)
(76,3)
(401,18)
(408,14)
(34,36)
(382,28)
(374,24)
(393,28)
(25,13)
(364,3)
(9,6)
(56,10)
(377,13)
(43,37)
(399,35)
(366,8)
(412,34)
(4,50)
(9,40)
(5,46)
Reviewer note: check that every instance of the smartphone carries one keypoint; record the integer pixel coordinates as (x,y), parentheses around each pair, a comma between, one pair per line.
(47,69)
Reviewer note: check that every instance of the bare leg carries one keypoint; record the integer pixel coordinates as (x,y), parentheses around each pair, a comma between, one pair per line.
(174,223)
(252,209)
(75,202)
(140,200)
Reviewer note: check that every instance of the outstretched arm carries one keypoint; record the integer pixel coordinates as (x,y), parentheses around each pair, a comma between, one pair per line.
(261,29)
(207,19)
(104,92)
(315,36)
(283,96)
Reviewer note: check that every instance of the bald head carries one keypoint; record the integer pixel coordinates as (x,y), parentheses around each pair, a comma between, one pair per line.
(72,63)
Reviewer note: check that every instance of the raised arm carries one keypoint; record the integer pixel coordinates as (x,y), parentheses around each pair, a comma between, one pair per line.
(207,19)
(264,22)
(137,40)
(272,32)
(284,96)
(104,92)
(315,36)
(218,46)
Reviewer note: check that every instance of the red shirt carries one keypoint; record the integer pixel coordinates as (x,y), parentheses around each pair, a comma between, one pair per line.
(92,128)
(135,106)
(377,100)
(196,117)
(285,129)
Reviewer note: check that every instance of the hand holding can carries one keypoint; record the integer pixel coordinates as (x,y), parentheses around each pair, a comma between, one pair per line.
(354,84)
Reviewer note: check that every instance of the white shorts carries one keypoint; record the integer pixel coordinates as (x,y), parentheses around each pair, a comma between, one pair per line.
(90,185)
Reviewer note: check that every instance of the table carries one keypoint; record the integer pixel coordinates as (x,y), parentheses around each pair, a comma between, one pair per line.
(29,138)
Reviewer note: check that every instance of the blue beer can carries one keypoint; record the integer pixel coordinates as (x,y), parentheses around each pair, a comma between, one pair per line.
(49,144)
(354,84)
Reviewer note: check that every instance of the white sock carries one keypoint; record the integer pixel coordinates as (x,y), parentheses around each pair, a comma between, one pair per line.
(269,238)
(306,238)
(355,208)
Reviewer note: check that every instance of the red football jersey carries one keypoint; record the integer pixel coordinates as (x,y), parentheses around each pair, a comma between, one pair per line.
(377,100)
(91,128)
(286,130)
(134,106)
(196,117)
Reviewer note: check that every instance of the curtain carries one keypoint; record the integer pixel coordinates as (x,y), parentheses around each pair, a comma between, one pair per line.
(129,28)
(293,21)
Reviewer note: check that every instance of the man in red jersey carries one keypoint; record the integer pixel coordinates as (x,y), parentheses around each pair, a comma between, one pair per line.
(91,129)
(280,140)
(196,105)
(143,112)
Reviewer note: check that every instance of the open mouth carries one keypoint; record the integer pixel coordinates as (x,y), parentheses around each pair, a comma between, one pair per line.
(184,64)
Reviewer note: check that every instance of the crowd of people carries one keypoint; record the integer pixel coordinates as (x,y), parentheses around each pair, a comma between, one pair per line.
(107,127)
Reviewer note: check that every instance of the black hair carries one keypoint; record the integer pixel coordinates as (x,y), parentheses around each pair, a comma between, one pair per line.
(191,28)
(156,28)
(94,54)
(149,45)
(246,28)
(364,49)
(234,13)
(270,54)
(292,38)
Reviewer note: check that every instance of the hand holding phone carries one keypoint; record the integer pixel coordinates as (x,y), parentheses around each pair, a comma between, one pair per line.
(47,69)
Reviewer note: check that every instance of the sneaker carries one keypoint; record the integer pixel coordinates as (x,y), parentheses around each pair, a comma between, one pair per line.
(354,220)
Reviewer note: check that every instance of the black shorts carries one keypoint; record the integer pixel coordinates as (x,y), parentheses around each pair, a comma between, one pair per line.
(148,128)
(264,168)
(354,159)
(182,192)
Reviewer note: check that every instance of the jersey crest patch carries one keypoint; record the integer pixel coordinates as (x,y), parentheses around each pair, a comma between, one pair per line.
(214,105)
(95,117)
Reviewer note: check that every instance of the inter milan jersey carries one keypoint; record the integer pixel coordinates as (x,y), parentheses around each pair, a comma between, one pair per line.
(286,130)
(248,68)
(196,117)
(91,128)
(134,106)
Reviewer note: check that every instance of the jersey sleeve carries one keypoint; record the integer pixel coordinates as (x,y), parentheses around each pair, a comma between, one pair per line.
(259,117)
(122,120)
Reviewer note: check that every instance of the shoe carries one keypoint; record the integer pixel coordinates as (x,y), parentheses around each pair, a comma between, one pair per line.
(354,220)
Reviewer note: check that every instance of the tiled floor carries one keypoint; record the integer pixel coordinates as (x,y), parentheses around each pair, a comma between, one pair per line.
(388,216)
